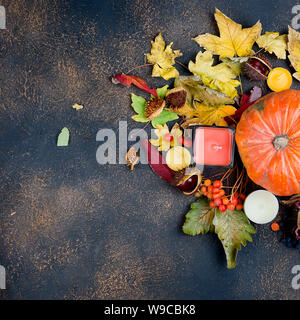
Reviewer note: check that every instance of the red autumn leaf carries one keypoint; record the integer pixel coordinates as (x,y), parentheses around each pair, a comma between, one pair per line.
(246,101)
(157,162)
(129,80)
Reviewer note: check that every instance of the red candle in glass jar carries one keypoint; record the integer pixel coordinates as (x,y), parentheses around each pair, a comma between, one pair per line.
(213,146)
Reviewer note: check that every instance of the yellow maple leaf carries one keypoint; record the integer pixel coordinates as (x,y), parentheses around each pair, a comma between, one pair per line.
(163,58)
(219,77)
(211,115)
(222,123)
(294,51)
(233,40)
(186,110)
(162,143)
(274,43)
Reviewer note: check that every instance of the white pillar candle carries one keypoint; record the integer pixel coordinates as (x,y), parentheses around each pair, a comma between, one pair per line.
(261,206)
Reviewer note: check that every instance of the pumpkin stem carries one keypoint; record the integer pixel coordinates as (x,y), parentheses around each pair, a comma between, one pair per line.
(281,142)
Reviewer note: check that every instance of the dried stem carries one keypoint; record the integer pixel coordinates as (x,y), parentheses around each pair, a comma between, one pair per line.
(140,66)
(183,65)
(227,174)
(238,183)
(241,86)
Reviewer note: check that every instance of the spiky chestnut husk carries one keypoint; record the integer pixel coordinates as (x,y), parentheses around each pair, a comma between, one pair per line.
(154,108)
(176,98)
(257,68)
(187,180)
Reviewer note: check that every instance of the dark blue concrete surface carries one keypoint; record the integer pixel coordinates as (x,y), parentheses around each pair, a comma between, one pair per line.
(71,229)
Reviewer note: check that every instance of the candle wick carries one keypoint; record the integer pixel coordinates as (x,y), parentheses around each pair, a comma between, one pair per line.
(217,147)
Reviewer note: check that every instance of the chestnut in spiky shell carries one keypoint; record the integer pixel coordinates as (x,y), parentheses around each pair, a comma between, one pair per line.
(257,68)
(154,107)
(176,98)
(187,180)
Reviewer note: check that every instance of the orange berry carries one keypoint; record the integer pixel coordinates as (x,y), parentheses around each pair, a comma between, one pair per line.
(207,182)
(230,206)
(242,196)
(222,208)
(209,195)
(212,204)
(234,200)
(168,137)
(239,206)
(275,226)
(203,189)
(225,200)
(218,202)
(216,196)
(210,188)
(216,190)
(217,184)
(222,192)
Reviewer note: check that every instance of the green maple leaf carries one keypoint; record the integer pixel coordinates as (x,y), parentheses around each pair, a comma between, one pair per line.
(199,219)
(233,229)
(139,104)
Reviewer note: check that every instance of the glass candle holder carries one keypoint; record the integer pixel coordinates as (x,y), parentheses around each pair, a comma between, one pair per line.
(213,146)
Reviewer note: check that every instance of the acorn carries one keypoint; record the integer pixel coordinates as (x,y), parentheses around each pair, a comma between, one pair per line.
(176,98)
(154,107)
(257,68)
(187,180)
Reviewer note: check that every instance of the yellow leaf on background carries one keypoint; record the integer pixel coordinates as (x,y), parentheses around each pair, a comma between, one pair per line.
(274,43)
(294,51)
(185,110)
(220,77)
(213,115)
(233,40)
(77,106)
(163,58)
(222,123)
(161,142)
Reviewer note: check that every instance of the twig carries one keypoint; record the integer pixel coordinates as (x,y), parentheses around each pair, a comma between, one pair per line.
(241,86)
(183,65)
(142,65)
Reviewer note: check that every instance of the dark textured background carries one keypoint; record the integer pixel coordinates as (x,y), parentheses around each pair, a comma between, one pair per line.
(81,230)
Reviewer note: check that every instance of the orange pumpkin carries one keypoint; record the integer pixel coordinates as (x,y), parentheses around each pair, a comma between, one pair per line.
(268,139)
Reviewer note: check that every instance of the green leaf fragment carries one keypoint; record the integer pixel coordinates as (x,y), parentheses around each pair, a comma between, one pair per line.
(233,229)
(138,104)
(234,64)
(161,92)
(164,117)
(139,118)
(199,219)
(63,138)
